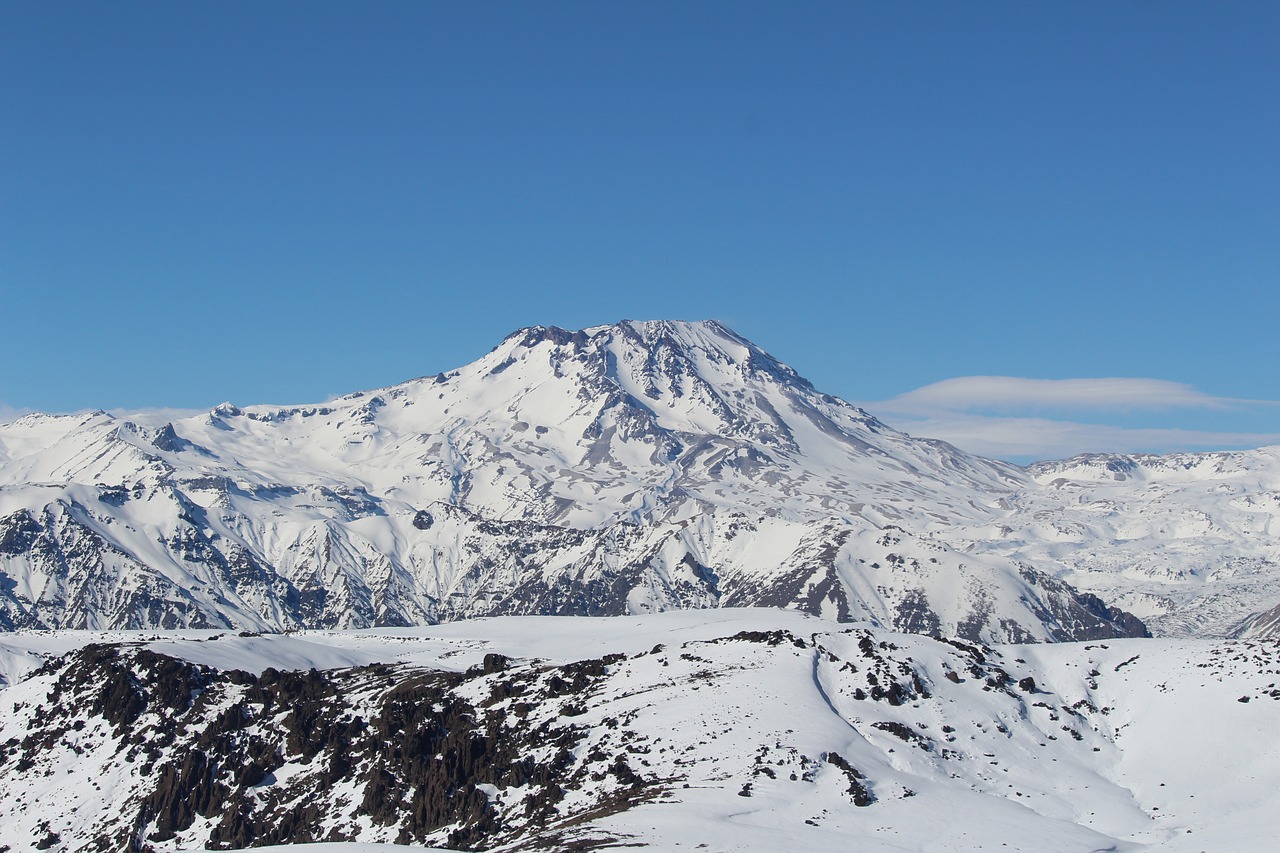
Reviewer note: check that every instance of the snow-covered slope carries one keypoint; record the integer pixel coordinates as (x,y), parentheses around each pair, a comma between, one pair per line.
(621,469)
(1190,542)
(749,729)
(643,422)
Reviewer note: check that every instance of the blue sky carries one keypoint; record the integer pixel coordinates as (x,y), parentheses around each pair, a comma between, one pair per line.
(283,202)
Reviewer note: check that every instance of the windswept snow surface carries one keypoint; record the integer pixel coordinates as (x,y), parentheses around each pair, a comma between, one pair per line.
(732,729)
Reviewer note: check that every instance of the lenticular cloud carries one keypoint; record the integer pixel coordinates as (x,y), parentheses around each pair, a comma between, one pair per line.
(1013,392)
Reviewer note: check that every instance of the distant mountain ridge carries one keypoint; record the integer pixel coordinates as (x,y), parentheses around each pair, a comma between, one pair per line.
(620,469)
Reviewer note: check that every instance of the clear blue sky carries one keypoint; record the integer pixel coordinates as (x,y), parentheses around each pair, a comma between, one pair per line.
(280,202)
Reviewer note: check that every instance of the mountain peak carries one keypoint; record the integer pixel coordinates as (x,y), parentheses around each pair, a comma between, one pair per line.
(651,354)
(645,333)
(654,331)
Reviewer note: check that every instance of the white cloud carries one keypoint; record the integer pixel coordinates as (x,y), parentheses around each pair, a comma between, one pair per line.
(147,417)
(1004,416)
(157,415)
(1026,439)
(972,393)
(9,413)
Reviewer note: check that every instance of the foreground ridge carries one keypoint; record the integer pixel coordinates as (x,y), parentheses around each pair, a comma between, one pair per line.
(763,729)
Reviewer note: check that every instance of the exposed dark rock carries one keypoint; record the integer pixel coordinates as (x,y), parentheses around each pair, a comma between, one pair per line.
(812,587)
(167,439)
(905,733)
(18,533)
(494,662)
(860,793)
(1079,616)
(769,638)
(209,744)
(913,615)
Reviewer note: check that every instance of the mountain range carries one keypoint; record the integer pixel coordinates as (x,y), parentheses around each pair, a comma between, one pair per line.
(624,469)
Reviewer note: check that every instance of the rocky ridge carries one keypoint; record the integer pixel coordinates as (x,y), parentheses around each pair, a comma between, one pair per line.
(760,728)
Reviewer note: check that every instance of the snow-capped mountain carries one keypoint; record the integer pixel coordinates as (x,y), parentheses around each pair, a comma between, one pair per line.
(622,469)
(743,729)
